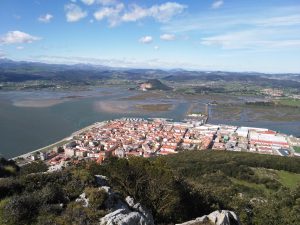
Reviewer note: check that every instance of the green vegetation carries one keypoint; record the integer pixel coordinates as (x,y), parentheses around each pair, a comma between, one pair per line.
(288,102)
(261,189)
(34,167)
(155,107)
(297,149)
(7,168)
(290,180)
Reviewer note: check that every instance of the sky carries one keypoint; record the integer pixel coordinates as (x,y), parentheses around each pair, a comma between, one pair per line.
(231,35)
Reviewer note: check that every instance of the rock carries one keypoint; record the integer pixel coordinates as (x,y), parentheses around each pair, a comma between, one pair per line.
(114,201)
(124,217)
(101,180)
(83,200)
(122,212)
(132,214)
(130,201)
(138,207)
(219,217)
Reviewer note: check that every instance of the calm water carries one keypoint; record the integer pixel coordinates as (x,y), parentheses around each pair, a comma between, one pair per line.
(23,129)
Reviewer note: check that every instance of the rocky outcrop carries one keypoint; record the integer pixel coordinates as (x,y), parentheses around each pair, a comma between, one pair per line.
(122,212)
(220,217)
(128,213)
(125,217)
(83,200)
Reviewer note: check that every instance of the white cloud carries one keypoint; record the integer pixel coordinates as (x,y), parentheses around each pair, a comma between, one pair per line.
(118,62)
(107,2)
(166,11)
(255,39)
(156,47)
(217,4)
(135,14)
(161,13)
(235,40)
(74,13)
(290,20)
(167,37)
(20,47)
(112,14)
(116,13)
(17,37)
(211,23)
(146,39)
(88,2)
(45,18)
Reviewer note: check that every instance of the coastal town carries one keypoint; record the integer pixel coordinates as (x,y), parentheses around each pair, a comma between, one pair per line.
(128,137)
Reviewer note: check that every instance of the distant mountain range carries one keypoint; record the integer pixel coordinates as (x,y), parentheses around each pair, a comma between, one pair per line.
(19,71)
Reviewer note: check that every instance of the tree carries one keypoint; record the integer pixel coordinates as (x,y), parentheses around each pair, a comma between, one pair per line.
(22,209)
(34,167)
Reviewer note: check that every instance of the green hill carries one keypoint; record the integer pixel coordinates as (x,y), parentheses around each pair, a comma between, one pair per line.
(155,84)
(261,189)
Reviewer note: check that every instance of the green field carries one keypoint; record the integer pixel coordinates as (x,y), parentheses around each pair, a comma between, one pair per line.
(290,180)
(289,102)
(287,179)
(257,187)
(297,149)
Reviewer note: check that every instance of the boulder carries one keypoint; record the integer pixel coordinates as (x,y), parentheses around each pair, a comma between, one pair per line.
(219,217)
(141,209)
(131,214)
(124,217)
(122,212)
(83,200)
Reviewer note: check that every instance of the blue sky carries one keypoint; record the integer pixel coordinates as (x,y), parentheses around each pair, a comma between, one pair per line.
(233,35)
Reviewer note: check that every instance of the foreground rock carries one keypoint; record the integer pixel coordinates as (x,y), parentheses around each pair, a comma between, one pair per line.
(128,214)
(122,212)
(220,217)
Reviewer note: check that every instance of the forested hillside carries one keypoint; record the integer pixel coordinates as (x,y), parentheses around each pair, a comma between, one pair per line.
(262,190)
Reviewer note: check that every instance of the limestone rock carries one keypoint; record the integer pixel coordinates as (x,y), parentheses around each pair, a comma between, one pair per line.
(131,214)
(122,212)
(219,217)
(124,217)
(139,208)
(83,200)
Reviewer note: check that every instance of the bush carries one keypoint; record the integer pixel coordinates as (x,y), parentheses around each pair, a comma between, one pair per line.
(22,209)
(8,168)
(34,167)
(96,197)
(10,186)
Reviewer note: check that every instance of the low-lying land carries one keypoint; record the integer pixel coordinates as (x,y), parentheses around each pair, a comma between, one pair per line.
(155,107)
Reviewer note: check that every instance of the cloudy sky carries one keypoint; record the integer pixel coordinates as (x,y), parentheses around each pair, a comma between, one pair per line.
(233,35)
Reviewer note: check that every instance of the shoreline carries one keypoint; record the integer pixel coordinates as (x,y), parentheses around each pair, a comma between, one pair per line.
(72,135)
(60,142)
